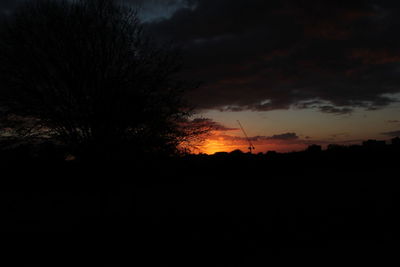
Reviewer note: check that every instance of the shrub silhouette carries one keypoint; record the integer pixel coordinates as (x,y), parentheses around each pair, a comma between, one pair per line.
(85,72)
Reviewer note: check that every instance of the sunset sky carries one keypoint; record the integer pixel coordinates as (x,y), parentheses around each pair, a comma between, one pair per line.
(293,72)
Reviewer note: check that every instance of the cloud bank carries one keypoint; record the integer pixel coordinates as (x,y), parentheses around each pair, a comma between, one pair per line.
(267,55)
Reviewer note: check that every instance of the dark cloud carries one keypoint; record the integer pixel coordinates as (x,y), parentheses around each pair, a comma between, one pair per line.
(266,55)
(392,134)
(285,136)
(335,110)
(393,121)
(276,137)
(7,6)
(210,124)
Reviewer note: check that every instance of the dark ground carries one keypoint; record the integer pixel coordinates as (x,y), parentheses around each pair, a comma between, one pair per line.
(226,210)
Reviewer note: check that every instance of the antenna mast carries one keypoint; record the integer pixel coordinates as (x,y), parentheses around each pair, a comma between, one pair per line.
(251,147)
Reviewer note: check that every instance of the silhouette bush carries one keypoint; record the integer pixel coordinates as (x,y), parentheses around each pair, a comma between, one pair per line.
(86,74)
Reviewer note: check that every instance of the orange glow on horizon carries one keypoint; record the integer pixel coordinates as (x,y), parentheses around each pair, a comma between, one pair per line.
(218,142)
(212,146)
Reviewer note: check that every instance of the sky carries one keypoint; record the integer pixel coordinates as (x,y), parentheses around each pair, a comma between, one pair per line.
(293,72)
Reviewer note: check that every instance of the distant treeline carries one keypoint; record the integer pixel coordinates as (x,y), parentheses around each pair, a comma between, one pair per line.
(369,146)
(371,151)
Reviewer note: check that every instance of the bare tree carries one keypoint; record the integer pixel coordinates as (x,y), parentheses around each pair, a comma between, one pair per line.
(88,75)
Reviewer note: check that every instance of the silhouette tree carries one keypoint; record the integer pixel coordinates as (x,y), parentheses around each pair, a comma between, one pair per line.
(86,74)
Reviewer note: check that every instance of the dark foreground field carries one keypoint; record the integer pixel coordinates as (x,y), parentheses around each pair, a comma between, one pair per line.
(221,211)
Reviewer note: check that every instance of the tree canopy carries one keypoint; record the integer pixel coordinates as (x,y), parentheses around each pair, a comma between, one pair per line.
(86,73)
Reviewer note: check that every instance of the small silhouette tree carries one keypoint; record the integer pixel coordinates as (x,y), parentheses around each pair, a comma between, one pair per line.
(86,74)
